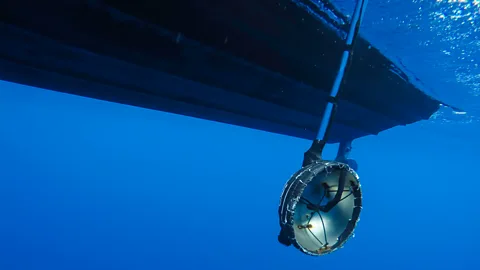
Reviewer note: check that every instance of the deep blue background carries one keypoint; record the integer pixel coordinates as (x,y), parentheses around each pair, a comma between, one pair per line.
(86,184)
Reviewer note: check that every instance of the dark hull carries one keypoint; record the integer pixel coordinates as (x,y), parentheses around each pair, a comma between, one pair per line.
(261,64)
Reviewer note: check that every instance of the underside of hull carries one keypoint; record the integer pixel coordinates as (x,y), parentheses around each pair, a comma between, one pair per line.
(262,64)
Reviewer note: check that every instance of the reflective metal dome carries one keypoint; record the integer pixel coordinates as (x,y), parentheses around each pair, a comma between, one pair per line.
(313,216)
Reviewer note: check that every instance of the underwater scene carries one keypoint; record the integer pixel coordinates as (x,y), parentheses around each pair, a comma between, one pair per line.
(239,135)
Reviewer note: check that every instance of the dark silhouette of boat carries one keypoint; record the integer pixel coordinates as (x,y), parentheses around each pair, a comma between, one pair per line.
(262,64)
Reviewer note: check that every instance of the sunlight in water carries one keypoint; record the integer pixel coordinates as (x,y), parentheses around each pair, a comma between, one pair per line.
(456,25)
(461,18)
(435,42)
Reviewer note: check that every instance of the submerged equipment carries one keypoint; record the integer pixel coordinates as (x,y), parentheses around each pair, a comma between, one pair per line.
(321,203)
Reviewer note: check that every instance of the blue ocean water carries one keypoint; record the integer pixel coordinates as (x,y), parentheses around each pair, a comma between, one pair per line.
(87,184)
